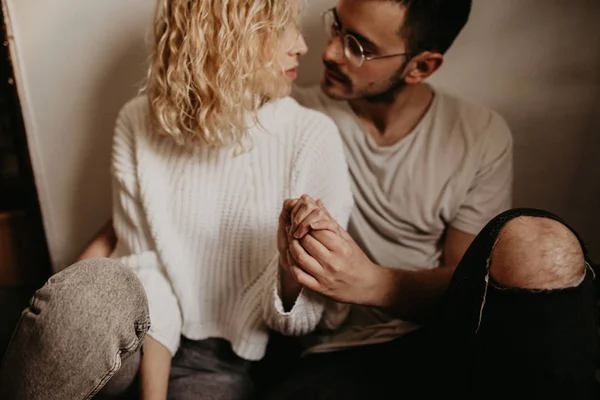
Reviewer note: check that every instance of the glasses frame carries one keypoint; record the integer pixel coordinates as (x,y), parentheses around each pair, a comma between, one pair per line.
(335,31)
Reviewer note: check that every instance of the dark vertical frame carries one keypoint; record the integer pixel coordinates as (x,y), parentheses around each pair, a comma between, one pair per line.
(23,192)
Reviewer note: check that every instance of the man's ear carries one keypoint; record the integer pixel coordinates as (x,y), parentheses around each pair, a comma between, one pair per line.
(423,66)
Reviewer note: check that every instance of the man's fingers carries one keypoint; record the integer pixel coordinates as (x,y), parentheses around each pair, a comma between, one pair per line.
(315,249)
(332,241)
(303,208)
(325,225)
(288,206)
(301,202)
(305,279)
(317,215)
(299,213)
(304,260)
(301,276)
(340,230)
(344,234)
(304,199)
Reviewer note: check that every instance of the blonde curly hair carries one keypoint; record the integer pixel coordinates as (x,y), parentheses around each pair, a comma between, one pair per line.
(209,62)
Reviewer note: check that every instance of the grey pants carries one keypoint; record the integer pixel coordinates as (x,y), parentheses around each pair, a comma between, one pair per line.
(81,335)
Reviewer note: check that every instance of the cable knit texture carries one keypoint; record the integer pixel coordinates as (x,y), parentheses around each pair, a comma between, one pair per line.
(199,226)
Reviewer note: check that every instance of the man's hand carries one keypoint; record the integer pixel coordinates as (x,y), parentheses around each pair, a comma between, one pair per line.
(328,261)
(335,266)
(297,218)
(308,214)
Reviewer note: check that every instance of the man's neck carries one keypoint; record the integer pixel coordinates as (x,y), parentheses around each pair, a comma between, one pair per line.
(390,119)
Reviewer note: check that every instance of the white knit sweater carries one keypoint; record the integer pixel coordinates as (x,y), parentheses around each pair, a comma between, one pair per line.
(199,228)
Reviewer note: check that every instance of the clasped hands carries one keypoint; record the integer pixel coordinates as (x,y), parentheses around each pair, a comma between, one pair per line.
(317,253)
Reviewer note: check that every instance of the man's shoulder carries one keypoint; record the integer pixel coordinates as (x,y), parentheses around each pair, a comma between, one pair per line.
(312,97)
(304,111)
(471,119)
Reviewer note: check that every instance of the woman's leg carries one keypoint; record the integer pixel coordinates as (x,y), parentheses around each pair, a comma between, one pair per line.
(520,316)
(209,369)
(125,383)
(80,327)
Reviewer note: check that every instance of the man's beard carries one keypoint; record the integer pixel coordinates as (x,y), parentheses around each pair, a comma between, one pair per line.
(388,93)
(384,93)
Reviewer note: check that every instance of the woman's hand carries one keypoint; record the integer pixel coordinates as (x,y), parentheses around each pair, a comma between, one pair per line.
(290,288)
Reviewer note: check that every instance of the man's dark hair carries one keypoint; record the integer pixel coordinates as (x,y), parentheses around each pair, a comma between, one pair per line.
(433,25)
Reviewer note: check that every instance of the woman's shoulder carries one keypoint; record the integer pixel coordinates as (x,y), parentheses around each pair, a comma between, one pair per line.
(131,124)
(133,121)
(135,110)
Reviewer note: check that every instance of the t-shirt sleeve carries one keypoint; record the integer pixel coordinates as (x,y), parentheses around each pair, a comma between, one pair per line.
(491,190)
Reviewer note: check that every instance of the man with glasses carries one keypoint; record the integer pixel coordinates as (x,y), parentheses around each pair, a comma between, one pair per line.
(430,171)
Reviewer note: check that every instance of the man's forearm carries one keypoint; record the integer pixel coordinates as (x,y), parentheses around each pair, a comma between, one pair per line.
(411,295)
(154,371)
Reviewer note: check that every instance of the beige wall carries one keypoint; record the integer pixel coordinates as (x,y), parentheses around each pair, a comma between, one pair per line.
(535,61)
(78,62)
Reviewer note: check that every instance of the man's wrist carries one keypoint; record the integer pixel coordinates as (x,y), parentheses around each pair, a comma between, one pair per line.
(384,286)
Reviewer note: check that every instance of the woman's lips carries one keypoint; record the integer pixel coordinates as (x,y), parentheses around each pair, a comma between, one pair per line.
(292,73)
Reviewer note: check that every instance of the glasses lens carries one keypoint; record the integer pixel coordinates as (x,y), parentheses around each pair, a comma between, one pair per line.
(353,50)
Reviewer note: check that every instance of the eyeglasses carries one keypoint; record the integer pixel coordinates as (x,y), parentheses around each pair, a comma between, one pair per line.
(353,49)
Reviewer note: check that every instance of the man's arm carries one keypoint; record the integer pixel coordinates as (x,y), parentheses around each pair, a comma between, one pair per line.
(335,266)
(103,243)
(342,271)
(490,193)
(413,295)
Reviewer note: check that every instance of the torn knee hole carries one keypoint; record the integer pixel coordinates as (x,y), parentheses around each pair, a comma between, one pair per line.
(537,253)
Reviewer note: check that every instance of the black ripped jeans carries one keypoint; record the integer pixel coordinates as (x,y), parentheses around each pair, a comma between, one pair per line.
(486,342)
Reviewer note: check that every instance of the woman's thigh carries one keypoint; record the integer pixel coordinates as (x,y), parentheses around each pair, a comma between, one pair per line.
(209,370)
(125,383)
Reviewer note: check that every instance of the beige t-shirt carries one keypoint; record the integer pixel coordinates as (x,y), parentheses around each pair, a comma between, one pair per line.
(454,169)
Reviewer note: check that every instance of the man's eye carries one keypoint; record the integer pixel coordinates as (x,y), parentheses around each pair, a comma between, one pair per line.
(367,52)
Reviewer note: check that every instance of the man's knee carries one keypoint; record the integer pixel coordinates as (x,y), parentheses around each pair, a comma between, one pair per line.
(537,253)
(92,292)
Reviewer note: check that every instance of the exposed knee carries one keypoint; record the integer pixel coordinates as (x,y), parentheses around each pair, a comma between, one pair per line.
(537,253)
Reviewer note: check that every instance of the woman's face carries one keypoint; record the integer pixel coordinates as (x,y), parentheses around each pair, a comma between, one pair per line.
(289,49)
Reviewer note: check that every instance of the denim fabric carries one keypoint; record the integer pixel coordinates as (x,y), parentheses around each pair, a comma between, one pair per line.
(78,330)
(486,341)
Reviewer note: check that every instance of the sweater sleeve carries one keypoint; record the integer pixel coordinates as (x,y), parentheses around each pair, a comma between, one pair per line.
(134,244)
(321,171)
